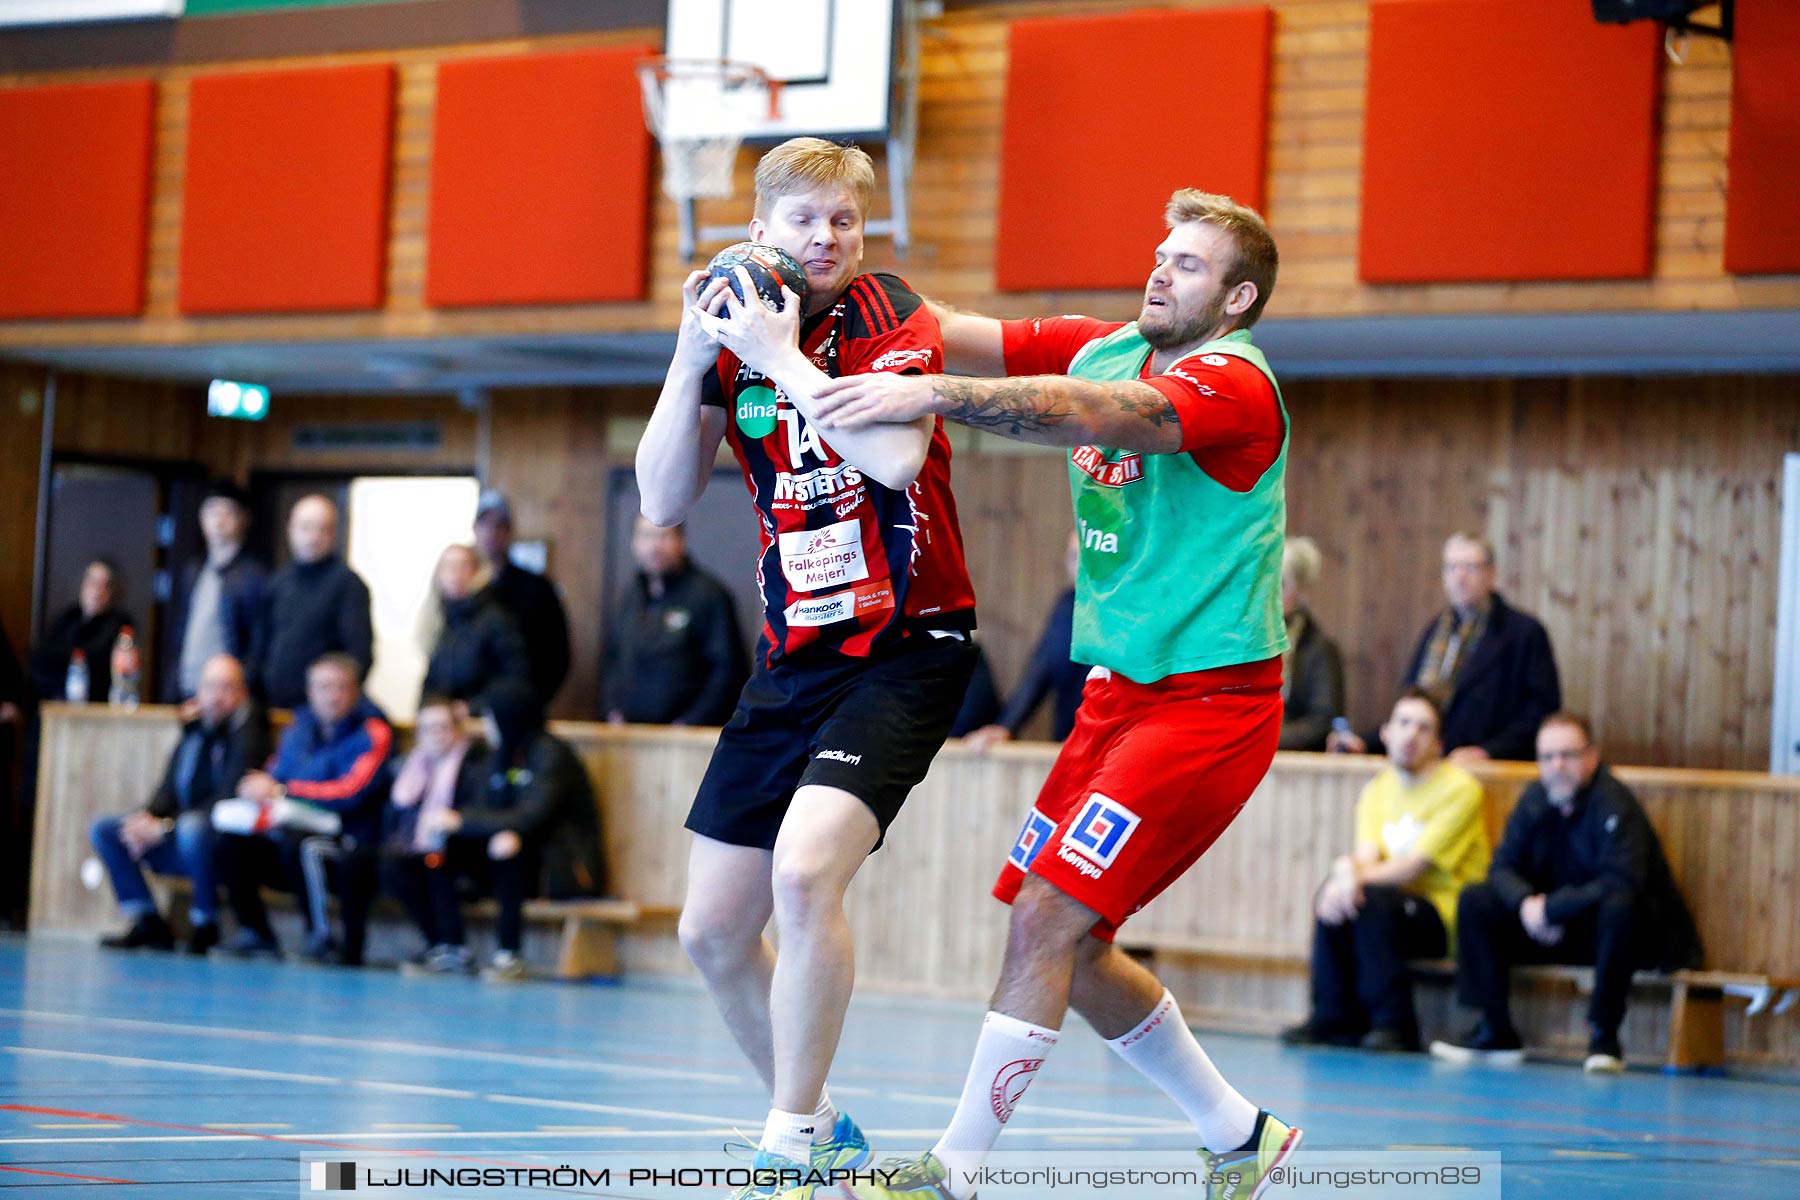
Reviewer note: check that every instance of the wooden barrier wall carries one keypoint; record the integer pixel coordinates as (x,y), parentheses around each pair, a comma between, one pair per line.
(925,923)
(1314,187)
(1640,518)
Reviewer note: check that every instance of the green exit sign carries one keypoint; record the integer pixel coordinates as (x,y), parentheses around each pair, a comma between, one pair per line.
(239,401)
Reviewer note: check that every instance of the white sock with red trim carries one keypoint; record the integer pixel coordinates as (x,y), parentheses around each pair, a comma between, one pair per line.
(1164,1050)
(1007,1056)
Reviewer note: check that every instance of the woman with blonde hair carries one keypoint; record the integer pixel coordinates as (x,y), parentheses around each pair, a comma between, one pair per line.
(475,642)
(1312,676)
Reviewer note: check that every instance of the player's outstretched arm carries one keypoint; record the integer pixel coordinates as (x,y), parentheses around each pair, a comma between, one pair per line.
(676,453)
(1049,410)
(973,344)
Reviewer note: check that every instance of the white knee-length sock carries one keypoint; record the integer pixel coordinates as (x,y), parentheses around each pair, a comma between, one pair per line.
(1007,1056)
(1163,1048)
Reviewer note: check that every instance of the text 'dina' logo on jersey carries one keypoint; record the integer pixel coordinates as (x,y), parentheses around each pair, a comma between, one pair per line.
(1037,828)
(756,412)
(1101,830)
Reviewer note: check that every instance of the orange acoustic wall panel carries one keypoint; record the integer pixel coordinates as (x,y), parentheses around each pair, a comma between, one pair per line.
(1105,116)
(1762,178)
(74,199)
(540,180)
(1509,141)
(286,198)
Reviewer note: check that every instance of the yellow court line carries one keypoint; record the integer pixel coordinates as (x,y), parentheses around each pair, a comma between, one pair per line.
(1606,1154)
(1778,1162)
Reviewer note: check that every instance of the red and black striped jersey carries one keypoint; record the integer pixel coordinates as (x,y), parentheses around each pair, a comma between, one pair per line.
(846,563)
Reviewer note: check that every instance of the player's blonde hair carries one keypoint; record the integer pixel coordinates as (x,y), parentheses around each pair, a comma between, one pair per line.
(805,164)
(1257,260)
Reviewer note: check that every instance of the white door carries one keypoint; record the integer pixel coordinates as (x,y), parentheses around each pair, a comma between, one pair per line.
(1784,746)
(398,527)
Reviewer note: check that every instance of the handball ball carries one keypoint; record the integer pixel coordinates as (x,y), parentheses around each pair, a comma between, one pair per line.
(769,266)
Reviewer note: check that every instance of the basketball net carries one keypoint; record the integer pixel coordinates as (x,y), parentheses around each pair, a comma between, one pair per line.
(700,110)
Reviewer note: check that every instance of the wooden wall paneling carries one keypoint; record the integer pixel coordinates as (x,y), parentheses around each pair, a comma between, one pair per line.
(93,760)
(923,917)
(21,430)
(548,453)
(1314,188)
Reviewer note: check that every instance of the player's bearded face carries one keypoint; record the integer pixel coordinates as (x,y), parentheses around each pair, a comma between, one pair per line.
(1174,324)
(1185,299)
(823,230)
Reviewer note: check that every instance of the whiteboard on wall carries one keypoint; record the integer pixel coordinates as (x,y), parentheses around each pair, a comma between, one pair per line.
(57,12)
(1784,744)
(834,58)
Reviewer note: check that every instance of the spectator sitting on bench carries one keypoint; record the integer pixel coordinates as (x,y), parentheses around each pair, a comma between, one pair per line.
(1420,837)
(173,833)
(537,821)
(446,770)
(1579,878)
(334,757)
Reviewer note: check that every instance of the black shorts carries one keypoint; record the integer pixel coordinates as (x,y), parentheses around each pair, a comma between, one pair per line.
(868,726)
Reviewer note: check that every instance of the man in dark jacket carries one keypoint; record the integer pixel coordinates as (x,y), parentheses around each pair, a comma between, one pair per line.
(676,656)
(529,598)
(478,642)
(1487,663)
(173,833)
(317,606)
(1312,688)
(91,625)
(334,757)
(218,601)
(1050,673)
(1579,878)
(538,823)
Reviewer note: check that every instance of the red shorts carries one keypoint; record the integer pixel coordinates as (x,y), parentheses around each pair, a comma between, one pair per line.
(1146,783)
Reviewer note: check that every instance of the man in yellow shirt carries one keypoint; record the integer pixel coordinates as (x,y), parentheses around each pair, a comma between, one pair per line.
(1420,839)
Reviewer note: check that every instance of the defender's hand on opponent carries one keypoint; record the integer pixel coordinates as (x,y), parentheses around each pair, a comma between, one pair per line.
(881,398)
(762,338)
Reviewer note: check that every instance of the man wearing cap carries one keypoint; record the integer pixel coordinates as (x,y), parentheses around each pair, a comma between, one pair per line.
(530,598)
(219,600)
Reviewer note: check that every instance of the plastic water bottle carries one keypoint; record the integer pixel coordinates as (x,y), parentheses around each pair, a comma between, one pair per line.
(75,685)
(125,666)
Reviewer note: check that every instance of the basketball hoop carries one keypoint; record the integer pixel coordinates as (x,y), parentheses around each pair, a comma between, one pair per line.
(700,109)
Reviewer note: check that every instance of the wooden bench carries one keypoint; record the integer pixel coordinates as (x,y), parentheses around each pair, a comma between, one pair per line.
(1696,997)
(591,928)
(589,939)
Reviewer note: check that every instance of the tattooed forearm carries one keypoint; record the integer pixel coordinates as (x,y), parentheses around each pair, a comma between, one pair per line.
(1146,403)
(1058,410)
(1006,406)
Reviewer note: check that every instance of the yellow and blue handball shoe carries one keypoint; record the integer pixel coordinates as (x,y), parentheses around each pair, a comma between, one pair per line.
(776,1178)
(846,1150)
(1244,1174)
(921,1178)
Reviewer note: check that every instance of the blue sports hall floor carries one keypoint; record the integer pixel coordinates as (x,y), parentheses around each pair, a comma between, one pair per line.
(156,1076)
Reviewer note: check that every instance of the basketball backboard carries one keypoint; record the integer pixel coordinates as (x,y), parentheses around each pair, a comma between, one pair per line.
(833,58)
